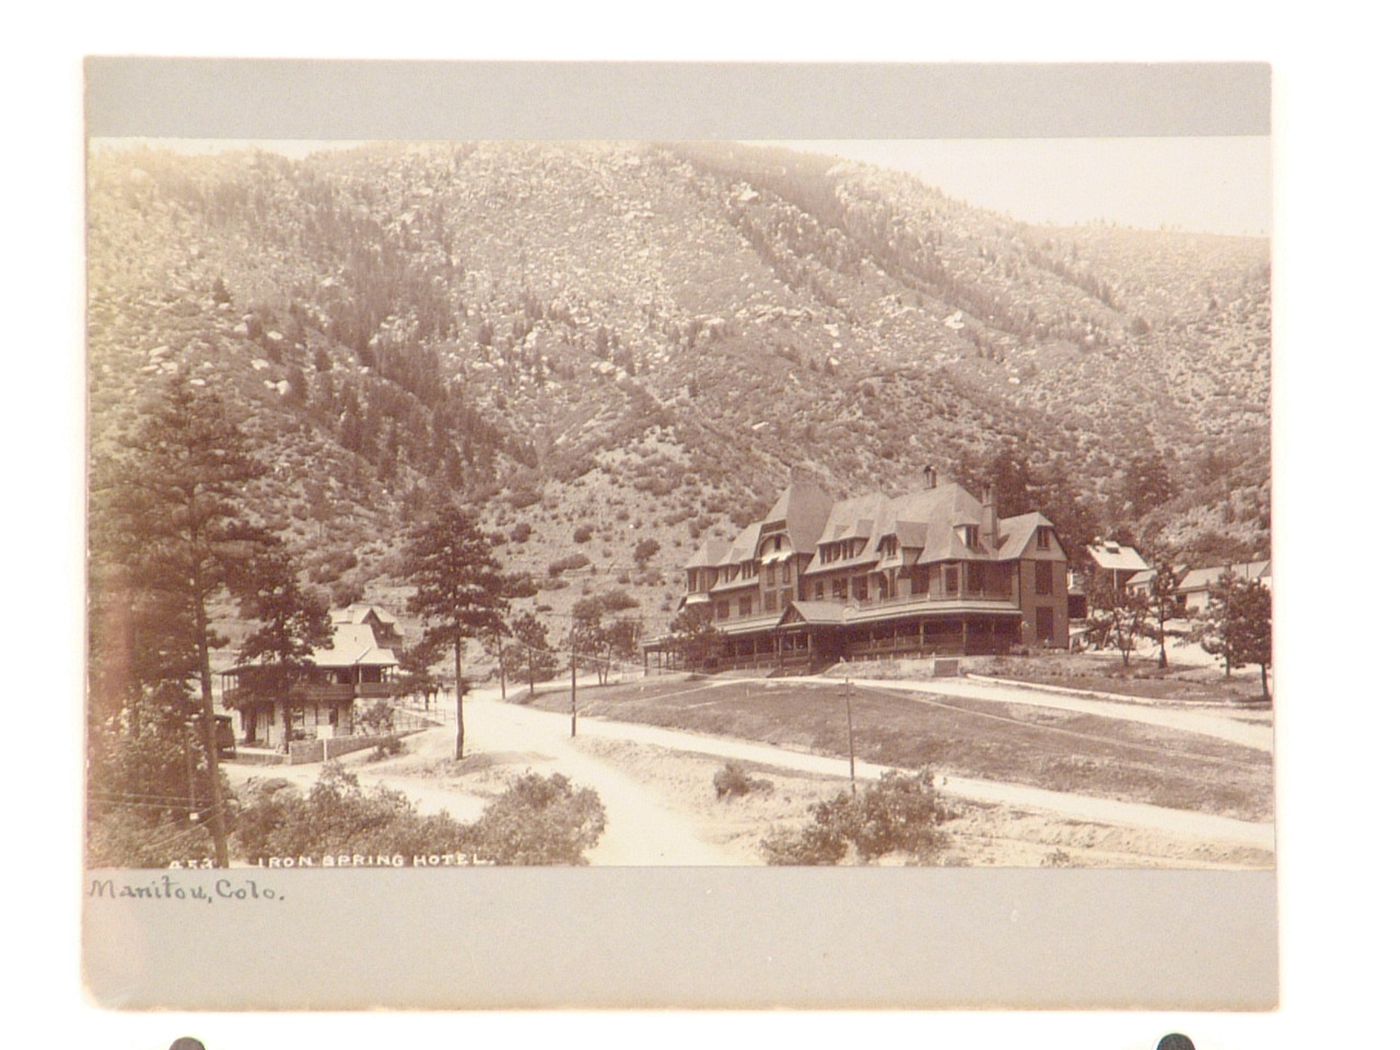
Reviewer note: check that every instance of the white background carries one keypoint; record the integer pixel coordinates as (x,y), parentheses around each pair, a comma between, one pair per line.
(1335,395)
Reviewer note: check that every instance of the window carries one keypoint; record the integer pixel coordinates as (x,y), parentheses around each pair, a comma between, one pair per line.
(838,588)
(722,610)
(787,572)
(919,583)
(772,574)
(786,598)
(817,590)
(1044,577)
(970,535)
(333,715)
(950,580)
(1045,624)
(1042,537)
(862,588)
(745,606)
(770,602)
(976,577)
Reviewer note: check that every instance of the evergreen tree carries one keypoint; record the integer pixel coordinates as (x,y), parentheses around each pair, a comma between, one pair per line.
(291,625)
(1162,599)
(530,656)
(460,590)
(1237,624)
(696,636)
(174,519)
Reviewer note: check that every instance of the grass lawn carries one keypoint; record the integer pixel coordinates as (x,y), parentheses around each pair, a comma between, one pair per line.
(1142,677)
(1059,750)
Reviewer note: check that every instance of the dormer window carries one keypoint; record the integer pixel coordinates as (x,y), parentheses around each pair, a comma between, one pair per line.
(970,535)
(1042,537)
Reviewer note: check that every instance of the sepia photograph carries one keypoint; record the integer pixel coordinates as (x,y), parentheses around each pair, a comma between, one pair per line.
(609,502)
(677,503)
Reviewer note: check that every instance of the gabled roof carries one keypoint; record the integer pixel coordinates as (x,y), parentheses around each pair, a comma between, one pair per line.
(1017,533)
(1200,579)
(711,553)
(804,507)
(359,612)
(745,545)
(814,612)
(353,644)
(1118,557)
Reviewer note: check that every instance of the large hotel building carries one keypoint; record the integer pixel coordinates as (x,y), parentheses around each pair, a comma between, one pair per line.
(930,572)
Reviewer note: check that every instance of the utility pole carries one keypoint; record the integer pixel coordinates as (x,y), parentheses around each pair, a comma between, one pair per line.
(189,769)
(573,692)
(851,736)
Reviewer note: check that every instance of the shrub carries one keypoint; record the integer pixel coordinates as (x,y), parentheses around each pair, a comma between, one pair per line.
(377,718)
(571,561)
(583,533)
(900,813)
(390,747)
(733,781)
(540,820)
(521,532)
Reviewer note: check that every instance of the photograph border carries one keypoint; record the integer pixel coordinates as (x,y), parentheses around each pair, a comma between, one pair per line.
(689,937)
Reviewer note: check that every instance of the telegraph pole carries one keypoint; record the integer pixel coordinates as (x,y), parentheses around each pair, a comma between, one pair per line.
(573,692)
(851,736)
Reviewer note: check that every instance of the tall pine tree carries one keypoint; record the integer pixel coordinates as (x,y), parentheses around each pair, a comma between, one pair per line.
(460,590)
(175,535)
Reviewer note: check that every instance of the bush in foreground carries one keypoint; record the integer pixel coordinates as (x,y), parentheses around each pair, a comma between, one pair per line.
(537,821)
(540,820)
(901,813)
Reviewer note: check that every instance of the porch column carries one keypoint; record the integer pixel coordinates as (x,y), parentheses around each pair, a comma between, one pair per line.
(964,635)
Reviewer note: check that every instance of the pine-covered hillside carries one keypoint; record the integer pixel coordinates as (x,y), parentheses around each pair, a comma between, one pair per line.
(596,345)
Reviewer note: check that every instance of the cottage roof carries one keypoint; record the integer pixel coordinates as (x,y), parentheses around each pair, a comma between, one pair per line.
(354,644)
(1200,579)
(359,612)
(1118,557)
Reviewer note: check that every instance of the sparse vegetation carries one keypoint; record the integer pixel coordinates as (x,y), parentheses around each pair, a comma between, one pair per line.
(901,813)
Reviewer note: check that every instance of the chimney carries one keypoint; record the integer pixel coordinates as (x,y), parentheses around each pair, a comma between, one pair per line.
(990,529)
(930,477)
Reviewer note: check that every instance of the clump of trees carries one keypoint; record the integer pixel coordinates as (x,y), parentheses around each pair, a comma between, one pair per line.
(605,630)
(537,821)
(695,637)
(1237,625)
(530,656)
(1117,617)
(901,813)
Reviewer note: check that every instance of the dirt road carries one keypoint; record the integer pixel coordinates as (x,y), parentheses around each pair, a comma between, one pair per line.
(1220,726)
(642,830)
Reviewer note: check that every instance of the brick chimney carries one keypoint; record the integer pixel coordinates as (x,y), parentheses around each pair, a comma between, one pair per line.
(991,526)
(930,477)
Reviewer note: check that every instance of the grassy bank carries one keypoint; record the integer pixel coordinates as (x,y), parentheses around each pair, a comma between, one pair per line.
(1058,750)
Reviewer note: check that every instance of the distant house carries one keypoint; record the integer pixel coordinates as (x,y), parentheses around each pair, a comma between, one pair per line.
(1078,596)
(1195,584)
(1192,593)
(1119,560)
(933,571)
(361,663)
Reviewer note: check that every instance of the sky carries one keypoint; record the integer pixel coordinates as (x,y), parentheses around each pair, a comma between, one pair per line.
(1204,185)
